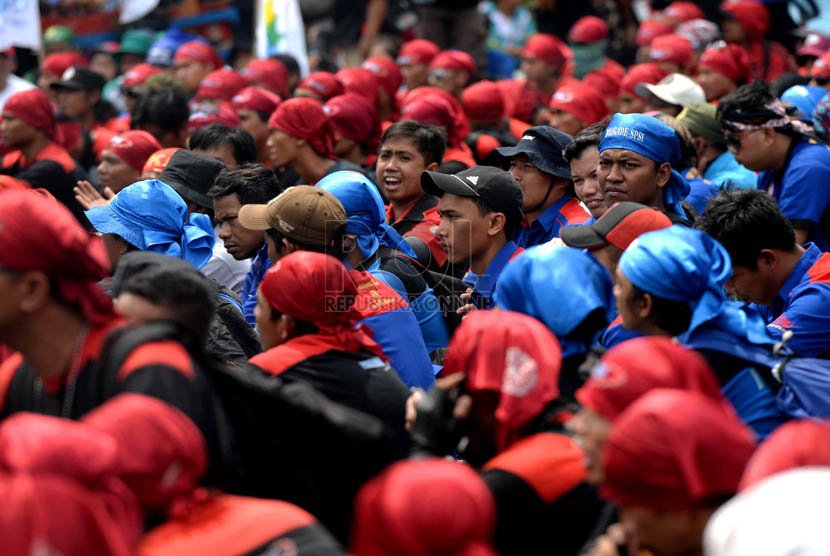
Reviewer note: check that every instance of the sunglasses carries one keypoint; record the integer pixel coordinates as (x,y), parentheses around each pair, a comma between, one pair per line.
(734,140)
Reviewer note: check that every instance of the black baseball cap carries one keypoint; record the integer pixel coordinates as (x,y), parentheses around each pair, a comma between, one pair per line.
(80,79)
(497,188)
(544,146)
(619,226)
(192,175)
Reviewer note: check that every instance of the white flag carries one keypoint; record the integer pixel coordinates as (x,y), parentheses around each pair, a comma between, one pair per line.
(19,24)
(280,28)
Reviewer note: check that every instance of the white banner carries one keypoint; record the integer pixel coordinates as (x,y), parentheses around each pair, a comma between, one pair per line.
(280,29)
(133,10)
(19,24)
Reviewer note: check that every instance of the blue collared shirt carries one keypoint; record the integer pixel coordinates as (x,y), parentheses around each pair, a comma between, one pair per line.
(259,266)
(728,173)
(565,212)
(484,286)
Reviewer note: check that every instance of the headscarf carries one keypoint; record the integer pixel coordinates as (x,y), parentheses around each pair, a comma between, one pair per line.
(198,51)
(269,73)
(679,12)
(559,286)
(424,507)
(360,81)
(317,288)
(34,108)
(748,118)
(39,233)
(366,215)
(323,84)
(604,82)
(133,147)
(428,105)
(649,73)
(221,84)
(256,99)
(751,14)
(546,48)
(729,60)
(455,60)
(512,355)
(584,103)
(672,48)
(699,32)
(654,140)
(683,264)
(674,450)
(305,118)
(206,113)
(151,216)
(483,102)
(417,51)
(794,444)
(353,117)
(387,72)
(632,368)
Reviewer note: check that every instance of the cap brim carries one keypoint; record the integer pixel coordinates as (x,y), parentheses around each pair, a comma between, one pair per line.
(509,152)
(254,217)
(105,221)
(582,237)
(436,183)
(67,85)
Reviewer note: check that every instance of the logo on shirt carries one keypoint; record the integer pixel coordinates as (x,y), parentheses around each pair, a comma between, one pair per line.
(520,373)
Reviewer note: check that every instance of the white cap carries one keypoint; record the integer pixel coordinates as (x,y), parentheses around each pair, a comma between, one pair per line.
(674,89)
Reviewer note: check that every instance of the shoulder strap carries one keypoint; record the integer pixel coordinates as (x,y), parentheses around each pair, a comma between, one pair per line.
(233,301)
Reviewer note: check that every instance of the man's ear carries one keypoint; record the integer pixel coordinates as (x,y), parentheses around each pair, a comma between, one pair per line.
(663,174)
(645,305)
(497,223)
(769,134)
(432,167)
(767,260)
(287,247)
(32,291)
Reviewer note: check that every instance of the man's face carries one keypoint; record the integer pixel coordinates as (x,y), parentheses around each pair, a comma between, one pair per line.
(627,176)
(270,331)
(399,169)
(104,64)
(191,73)
(76,104)
(631,104)
(565,121)
(586,184)
(15,131)
(714,84)
(250,121)
(733,31)
(751,285)
(240,242)
(115,173)
(536,70)
(591,432)
(751,147)
(623,290)
(535,183)
(664,533)
(129,61)
(282,148)
(448,80)
(414,75)
(463,230)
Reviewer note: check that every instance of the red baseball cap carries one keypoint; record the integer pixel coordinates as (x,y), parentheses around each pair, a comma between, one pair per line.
(198,51)
(453,60)
(360,81)
(204,113)
(730,60)
(133,147)
(56,64)
(672,48)
(256,99)
(753,16)
(388,73)
(483,102)
(650,29)
(268,73)
(221,84)
(580,100)
(641,73)
(139,74)
(821,67)
(588,30)
(619,226)
(815,45)
(680,12)
(546,48)
(417,51)
(323,84)
(603,82)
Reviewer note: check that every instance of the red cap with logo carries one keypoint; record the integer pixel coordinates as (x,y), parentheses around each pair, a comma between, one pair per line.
(353,117)
(453,60)
(204,113)
(57,63)
(604,83)
(679,12)
(672,48)
(580,100)
(821,67)
(588,30)
(483,102)
(323,84)
(417,51)
(641,73)
(730,60)
(546,48)
(650,29)
(388,73)
(360,81)
(139,74)
(198,51)
(268,73)
(133,147)
(221,84)
(256,99)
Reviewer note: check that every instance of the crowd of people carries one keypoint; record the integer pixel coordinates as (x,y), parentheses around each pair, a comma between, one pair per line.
(518,297)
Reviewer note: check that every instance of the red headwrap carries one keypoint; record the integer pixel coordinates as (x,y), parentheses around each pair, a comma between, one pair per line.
(429,105)
(41,234)
(323,84)
(133,147)
(651,29)
(585,103)
(641,73)
(604,83)
(57,63)
(730,60)
(631,369)
(821,67)
(317,288)
(483,102)
(521,100)
(157,162)
(454,60)
(220,84)
(417,51)
(424,507)
(546,48)
(139,74)
(794,444)
(512,354)
(679,12)
(588,30)
(198,51)
(753,16)
(206,113)
(353,117)
(361,82)
(34,108)
(256,99)
(268,73)
(675,450)
(672,48)
(388,73)
(305,118)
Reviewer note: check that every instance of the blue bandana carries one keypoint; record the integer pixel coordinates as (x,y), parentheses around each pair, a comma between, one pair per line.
(365,212)
(151,216)
(651,138)
(558,286)
(682,264)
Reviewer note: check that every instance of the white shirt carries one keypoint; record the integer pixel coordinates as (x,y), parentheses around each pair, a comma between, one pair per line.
(14,85)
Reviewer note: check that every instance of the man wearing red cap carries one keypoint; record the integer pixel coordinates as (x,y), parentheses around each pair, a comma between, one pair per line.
(721,69)
(746,23)
(319,86)
(484,106)
(53,67)
(9,82)
(390,79)
(193,61)
(269,74)
(575,106)
(680,12)
(28,129)
(543,63)
(451,70)
(356,126)
(588,40)
(647,32)
(254,105)
(220,86)
(672,53)
(630,101)
(413,59)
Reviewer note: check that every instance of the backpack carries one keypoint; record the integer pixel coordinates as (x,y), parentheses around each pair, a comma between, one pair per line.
(278,440)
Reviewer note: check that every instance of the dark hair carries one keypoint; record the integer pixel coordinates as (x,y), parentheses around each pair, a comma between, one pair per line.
(511,224)
(335,249)
(745,221)
(289,61)
(672,316)
(588,137)
(747,104)
(430,140)
(301,327)
(219,135)
(103,110)
(252,183)
(165,107)
(688,153)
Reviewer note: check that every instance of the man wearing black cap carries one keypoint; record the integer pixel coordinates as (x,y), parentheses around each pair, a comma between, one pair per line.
(537,163)
(480,210)
(79,97)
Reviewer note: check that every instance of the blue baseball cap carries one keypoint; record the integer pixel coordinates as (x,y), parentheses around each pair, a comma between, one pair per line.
(544,146)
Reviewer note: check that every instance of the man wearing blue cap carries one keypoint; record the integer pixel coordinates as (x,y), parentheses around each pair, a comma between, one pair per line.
(636,154)
(539,166)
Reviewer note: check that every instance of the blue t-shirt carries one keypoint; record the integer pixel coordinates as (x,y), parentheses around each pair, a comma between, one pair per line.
(565,212)
(727,173)
(701,190)
(803,189)
(484,286)
(259,266)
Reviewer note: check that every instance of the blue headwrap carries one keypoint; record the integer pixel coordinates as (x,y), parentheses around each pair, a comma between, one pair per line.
(558,286)
(654,140)
(151,216)
(682,264)
(366,217)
